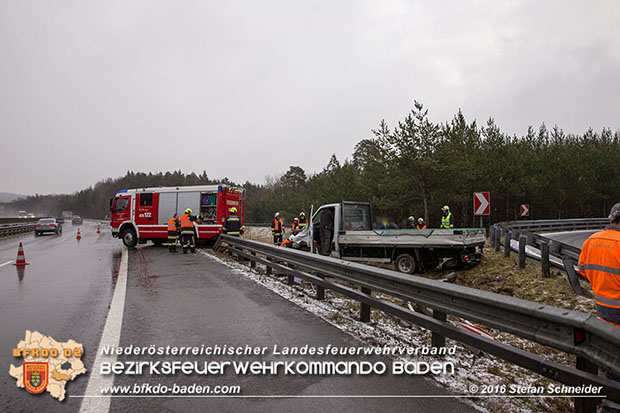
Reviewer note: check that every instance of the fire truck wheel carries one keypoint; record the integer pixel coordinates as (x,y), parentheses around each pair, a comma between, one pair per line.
(129,238)
(405,263)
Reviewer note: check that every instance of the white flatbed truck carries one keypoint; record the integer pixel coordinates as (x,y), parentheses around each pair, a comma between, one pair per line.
(410,250)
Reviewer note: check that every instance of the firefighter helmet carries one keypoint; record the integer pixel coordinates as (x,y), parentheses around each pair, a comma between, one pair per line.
(302,214)
(188,211)
(411,218)
(276,215)
(295,219)
(233,210)
(445,208)
(420,220)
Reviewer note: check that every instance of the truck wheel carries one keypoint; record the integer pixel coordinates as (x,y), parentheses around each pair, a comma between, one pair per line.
(129,238)
(405,263)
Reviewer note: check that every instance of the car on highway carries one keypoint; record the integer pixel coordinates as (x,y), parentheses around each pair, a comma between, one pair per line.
(77,220)
(47,225)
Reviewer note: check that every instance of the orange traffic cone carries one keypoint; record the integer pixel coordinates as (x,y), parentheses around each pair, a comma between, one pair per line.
(98,229)
(79,237)
(21,258)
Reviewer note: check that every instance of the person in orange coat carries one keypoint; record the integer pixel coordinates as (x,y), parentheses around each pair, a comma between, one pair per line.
(420,224)
(599,263)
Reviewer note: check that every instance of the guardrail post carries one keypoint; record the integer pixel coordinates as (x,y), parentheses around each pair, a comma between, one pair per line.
(544,259)
(586,404)
(522,244)
(498,234)
(365,308)
(437,340)
(268,271)
(507,239)
(252,262)
(290,280)
(492,234)
(320,290)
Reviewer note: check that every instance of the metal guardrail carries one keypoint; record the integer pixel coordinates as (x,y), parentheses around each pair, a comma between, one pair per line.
(593,341)
(11,229)
(567,256)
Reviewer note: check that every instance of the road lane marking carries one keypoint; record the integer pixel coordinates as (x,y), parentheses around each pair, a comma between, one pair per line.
(6,263)
(111,337)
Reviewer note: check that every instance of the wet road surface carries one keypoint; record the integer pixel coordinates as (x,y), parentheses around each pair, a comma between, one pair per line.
(574,238)
(177,300)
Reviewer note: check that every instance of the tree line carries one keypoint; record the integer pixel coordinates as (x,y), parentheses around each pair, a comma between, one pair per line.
(414,168)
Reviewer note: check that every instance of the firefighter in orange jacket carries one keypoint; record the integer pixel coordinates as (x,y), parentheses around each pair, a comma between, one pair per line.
(420,224)
(173,233)
(295,226)
(188,237)
(277,228)
(599,262)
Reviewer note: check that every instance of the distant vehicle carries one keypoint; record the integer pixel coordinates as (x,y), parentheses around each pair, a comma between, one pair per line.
(22,214)
(47,225)
(67,214)
(411,250)
(31,215)
(139,215)
(76,220)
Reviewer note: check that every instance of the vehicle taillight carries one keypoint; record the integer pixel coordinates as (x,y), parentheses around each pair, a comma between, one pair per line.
(52,225)
(37,225)
(465,257)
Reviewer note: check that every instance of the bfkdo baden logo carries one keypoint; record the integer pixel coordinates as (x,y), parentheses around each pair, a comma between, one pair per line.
(48,364)
(35,376)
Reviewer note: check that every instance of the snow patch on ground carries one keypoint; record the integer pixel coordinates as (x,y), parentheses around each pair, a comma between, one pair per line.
(472,366)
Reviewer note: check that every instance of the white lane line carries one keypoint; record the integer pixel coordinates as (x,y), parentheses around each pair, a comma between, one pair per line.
(6,263)
(62,240)
(111,337)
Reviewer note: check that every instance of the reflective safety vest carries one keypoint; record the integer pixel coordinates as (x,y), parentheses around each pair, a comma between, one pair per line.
(295,225)
(445,221)
(303,221)
(186,224)
(418,226)
(172,224)
(276,227)
(599,262)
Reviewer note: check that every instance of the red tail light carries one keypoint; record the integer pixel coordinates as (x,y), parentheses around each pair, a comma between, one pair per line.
(52,225)
(37,225)
(465,257)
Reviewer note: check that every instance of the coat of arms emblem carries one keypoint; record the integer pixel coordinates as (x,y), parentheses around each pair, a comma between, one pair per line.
(36,377)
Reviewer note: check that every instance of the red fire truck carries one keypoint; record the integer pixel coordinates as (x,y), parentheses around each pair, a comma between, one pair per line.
(139,215)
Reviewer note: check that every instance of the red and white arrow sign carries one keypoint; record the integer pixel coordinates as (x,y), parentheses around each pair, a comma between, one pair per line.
(525,210)
(482,203)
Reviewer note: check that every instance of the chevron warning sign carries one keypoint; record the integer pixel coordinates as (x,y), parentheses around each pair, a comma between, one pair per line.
(482,203)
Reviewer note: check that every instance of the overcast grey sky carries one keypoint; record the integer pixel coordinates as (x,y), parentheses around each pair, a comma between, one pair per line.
(246,88)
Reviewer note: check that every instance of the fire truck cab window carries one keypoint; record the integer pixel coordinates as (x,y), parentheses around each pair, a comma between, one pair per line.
(146,199)
(121,204)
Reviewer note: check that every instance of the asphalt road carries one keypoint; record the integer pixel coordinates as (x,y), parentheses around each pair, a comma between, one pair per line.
(182,300)
(574,238)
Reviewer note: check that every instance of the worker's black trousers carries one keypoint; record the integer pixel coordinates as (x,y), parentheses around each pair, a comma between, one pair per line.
(277,239)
